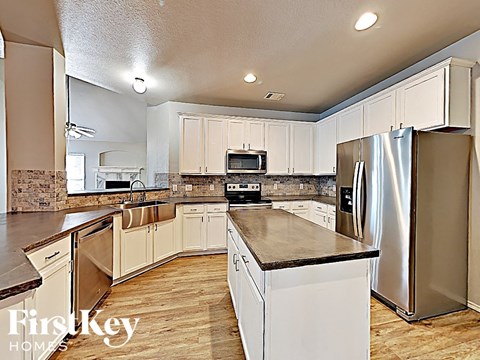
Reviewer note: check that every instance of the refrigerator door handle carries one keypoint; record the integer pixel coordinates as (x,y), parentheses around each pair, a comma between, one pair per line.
(358,200)
(355,199)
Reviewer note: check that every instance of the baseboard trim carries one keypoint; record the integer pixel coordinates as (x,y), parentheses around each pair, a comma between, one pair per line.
(473,306)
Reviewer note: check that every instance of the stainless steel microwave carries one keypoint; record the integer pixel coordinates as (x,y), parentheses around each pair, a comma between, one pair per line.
(246,162)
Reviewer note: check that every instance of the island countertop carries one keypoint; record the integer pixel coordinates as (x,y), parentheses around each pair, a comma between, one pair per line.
(278,240)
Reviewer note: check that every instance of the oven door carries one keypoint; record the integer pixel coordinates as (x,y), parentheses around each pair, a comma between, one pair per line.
(246,162)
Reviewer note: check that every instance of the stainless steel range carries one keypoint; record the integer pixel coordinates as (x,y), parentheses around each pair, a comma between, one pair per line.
(246,196)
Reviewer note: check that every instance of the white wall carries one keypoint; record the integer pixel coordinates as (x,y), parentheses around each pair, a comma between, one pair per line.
(467,48)
(119,122)
(3,140)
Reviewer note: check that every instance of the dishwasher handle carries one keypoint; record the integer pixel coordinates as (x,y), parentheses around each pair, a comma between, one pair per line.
(96,232)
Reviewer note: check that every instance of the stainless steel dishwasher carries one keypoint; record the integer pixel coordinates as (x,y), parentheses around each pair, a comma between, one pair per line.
(93,261)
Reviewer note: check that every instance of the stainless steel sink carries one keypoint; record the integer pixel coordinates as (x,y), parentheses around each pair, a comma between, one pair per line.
(136,214)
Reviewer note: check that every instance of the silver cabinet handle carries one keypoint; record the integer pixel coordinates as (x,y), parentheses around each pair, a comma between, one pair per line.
(229,230)
(234,261)
(206,168)
(329,220)
(391,127)
(324,218)
(200,169)
(52,256)
(244,258)
(243,146)
(148,229)
(156,227)
(401,125)
(334,169)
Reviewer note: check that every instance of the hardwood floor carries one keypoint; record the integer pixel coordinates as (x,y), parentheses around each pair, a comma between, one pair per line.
(185,313)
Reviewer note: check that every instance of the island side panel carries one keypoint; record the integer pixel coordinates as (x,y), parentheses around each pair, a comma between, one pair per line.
(318,312)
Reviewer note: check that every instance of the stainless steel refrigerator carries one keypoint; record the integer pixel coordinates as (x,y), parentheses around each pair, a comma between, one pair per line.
(406,193)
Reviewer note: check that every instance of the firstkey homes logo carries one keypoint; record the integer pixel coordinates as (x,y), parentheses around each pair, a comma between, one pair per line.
(58,325)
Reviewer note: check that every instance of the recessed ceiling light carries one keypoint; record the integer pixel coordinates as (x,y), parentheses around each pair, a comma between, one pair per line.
(250,78)
(139,85)
(366,21)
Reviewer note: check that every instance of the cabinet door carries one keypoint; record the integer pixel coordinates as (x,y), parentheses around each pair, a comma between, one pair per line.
(163,240)
(256,135)
(11,345)
(50,300)
(326,152)
(216,231)
(215,146)
(250,322)
(191,149)
(302,149)
(379,114)
(350,124)
(193,232)
(282,205)
(422,102)
(236,134)
(331,222)
(277,143)
(136,249)
(233,271)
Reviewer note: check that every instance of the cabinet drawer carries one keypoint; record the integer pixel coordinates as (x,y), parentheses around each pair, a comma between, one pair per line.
(283,205)
(332,210)
(193,209)
(299,205)
(320,207)
(51,253)
(216,208)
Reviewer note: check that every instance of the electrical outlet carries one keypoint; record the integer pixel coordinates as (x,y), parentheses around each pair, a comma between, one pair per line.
(174,187)
(275,186)
(212,187)
(301,186)
(188,187)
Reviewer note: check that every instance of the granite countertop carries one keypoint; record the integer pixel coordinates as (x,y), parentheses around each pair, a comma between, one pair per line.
(23,232)
(281,240)
(329,200)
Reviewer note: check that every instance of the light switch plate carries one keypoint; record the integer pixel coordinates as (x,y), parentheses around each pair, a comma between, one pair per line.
(301,186)
(275,186)
(188,187)
(174,187)
(212,187)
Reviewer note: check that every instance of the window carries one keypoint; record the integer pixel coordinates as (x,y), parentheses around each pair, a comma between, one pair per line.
(75,166)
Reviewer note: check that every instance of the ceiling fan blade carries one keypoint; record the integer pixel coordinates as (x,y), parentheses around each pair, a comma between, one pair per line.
(86,129)
(83,133)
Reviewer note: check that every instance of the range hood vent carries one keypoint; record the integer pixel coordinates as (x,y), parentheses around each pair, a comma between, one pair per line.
(275,96)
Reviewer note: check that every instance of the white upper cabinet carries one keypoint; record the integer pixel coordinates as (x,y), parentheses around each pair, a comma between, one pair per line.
(421,102)
(302,149)
(277,144)
(215,145)
(246,135)
(379,114)
(256,135)
(191,145)
(350,124)
(236,134)
(325,150)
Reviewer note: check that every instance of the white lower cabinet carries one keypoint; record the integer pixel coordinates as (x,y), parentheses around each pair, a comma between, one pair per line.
(11,344)
(251,318)
(204,227)
(233,269)
(136,249)
(53,298)
(163,240)
(314,211)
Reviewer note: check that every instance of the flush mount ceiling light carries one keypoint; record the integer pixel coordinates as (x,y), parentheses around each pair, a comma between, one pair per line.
(250,78)
(139,85)
(366,21)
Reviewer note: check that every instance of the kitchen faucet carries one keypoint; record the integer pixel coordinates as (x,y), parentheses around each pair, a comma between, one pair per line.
(143,196)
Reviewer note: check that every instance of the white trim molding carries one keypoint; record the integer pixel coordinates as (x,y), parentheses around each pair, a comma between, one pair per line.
(473,306)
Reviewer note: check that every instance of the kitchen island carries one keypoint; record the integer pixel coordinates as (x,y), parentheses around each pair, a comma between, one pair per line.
(299,291)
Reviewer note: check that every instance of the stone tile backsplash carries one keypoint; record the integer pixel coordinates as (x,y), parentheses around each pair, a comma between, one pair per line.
(42,190)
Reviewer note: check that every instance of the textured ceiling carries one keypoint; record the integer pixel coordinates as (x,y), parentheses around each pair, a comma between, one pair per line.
(198,50)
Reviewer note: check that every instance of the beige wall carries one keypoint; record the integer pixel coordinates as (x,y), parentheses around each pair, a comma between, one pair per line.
(29,107)
(3,145)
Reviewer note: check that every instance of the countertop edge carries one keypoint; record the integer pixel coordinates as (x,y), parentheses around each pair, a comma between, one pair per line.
(305,262)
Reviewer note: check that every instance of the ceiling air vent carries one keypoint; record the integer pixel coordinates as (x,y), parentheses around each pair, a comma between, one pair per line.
(275,96)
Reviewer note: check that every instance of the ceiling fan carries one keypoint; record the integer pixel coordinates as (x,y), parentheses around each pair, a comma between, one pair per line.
(77,132)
